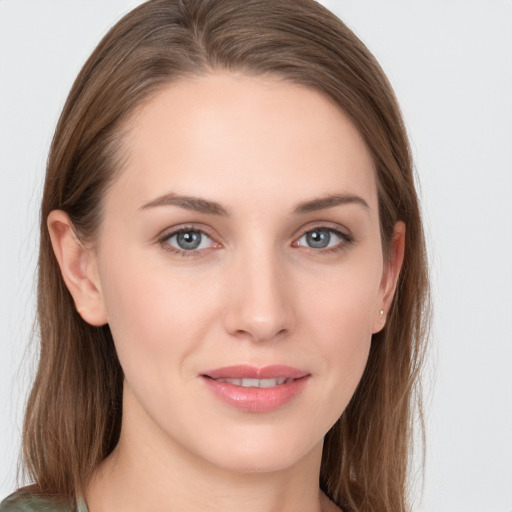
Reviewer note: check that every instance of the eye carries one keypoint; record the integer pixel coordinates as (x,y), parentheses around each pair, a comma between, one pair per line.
(187,240)
(323,238)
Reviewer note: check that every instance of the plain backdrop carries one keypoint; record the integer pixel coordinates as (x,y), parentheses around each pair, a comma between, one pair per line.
(450,63)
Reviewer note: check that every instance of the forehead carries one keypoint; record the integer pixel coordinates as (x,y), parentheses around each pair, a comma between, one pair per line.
(260,137)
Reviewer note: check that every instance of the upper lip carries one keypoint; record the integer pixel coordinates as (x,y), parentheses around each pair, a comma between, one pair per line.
(253,372)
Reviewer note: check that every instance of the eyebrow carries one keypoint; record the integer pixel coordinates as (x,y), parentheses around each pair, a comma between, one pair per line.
(323,203)
(208,207)
(189,203)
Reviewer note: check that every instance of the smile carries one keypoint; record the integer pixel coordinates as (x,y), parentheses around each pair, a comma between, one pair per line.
(256,390)
(256,383)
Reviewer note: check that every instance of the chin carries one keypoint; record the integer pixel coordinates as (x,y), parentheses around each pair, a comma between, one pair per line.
(262,452)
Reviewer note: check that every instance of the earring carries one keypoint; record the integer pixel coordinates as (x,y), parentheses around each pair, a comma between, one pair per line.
(381,314)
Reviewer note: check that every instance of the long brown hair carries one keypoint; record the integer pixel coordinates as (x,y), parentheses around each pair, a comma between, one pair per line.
(74,412)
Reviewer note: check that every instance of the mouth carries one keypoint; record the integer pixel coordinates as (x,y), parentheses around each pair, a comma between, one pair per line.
(252,389)
(256,383)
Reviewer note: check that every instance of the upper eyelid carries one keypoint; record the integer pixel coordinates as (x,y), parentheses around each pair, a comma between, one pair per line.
(178,231)
(325,228)
(346,238)
(165,236)
(169,232)
(333,226)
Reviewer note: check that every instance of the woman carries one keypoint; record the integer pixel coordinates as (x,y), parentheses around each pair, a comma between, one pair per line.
(232,277)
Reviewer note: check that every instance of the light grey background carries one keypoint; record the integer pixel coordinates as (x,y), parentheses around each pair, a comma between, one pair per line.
(450,63)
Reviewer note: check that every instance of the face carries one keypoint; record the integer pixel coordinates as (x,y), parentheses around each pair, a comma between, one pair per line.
(239,266)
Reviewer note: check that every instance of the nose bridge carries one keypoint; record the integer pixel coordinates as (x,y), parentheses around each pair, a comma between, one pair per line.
(259,307)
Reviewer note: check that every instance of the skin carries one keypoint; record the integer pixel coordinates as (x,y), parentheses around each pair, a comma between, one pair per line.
(255,291)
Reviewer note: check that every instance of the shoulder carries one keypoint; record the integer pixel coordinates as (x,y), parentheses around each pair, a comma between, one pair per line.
(25,500)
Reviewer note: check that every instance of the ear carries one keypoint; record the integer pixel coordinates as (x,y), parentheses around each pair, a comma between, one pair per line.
(390,274)
(78,268)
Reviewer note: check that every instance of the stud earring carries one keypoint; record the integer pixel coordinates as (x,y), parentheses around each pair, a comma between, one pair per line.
(381,313)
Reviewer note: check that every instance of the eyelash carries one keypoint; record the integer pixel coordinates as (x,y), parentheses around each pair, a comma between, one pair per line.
(179,252)
(347,240)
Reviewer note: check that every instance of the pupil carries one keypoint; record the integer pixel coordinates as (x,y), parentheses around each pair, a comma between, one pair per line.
(318,239)
(189,240)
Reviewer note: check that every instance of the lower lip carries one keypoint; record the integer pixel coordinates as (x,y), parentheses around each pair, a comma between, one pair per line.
(256,399)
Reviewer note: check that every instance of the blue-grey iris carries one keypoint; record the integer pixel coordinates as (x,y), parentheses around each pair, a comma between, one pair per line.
(188,240)
(319,238)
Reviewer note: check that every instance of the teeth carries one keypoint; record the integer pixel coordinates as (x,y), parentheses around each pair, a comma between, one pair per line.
(255,383)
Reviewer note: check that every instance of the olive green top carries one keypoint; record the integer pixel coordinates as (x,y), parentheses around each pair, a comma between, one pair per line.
(24,501)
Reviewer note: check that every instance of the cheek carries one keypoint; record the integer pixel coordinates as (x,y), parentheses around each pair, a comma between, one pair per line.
(343,306)
(340,317)
(344,335)
(152,314)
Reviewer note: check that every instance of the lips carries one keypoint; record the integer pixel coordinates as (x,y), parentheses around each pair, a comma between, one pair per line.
(252,389)
(256,383)
(251,372)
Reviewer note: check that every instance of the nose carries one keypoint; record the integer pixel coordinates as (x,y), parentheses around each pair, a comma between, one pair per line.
(259,298)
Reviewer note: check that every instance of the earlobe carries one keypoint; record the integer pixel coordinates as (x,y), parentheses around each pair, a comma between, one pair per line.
(78,268)
(390,275)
